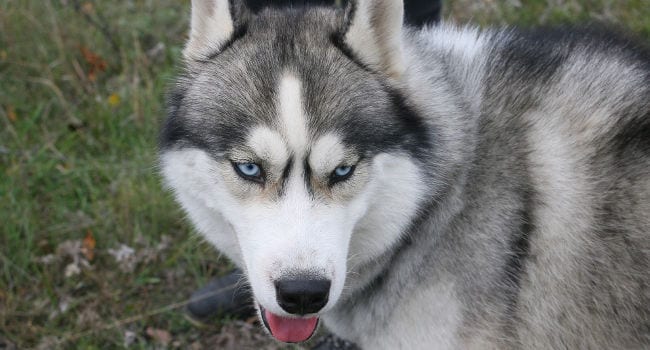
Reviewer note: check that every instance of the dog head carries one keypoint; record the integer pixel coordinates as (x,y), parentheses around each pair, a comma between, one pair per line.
(291,150)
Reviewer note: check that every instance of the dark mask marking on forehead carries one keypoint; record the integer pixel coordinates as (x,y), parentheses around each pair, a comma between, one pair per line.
(340,94)
(413,131)
(175,132)
(307,176)
(285,176)
(207,134)
(402,130)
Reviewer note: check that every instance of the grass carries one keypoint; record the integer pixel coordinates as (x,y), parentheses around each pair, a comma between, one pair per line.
(78,159)
(78,156)
(631,14)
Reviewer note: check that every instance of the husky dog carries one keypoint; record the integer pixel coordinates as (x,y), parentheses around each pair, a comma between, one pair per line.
(445,188)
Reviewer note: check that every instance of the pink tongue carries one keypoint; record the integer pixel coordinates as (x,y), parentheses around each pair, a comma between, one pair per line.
(290,330)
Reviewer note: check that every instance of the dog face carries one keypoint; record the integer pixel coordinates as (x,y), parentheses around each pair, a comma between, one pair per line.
(291,154)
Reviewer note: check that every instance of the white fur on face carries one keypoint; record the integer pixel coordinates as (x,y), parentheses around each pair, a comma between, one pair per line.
(293,233)
(269,145)
(291,113)
(272,237)
(397,190)
(204,195)
(275,234)
(326,154)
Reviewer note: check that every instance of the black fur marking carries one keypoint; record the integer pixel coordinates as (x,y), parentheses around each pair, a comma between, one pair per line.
(307,176)
(612,228)
(257,6)
(533,56)
(264,320)
(519,250)
(338,40)
(421,13)
(635,135)
(350,11)
(285,176)
(174,131)
(204,134)
(412,124)
(405,130)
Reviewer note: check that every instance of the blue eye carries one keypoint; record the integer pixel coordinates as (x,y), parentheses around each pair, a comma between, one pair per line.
(343,171)
(248,170)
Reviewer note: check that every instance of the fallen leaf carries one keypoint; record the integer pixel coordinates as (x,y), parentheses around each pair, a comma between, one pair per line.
(11,114)
(88,246)
(96,63)
(114,100)
(3,55)
(87,7)
(159,335)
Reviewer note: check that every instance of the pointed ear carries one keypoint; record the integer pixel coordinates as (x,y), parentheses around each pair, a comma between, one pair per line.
(373,31)
(214,24)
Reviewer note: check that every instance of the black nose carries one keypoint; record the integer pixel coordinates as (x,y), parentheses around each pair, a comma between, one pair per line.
(302,296)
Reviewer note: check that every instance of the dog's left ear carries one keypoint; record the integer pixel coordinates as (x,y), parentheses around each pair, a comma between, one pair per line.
(373,31)
(214,23)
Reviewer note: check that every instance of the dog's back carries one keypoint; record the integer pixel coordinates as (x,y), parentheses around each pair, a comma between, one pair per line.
(582,100)
(543,236)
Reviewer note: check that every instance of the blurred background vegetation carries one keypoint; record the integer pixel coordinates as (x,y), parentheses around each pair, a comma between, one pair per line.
(93,252)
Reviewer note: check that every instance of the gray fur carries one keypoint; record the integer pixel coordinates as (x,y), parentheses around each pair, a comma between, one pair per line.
(536,149)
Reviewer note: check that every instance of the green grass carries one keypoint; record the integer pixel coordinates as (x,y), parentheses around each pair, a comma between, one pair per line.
(73,161)
(631,14)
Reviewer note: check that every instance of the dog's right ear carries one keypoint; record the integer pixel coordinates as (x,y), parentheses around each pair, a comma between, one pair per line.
(214,24)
